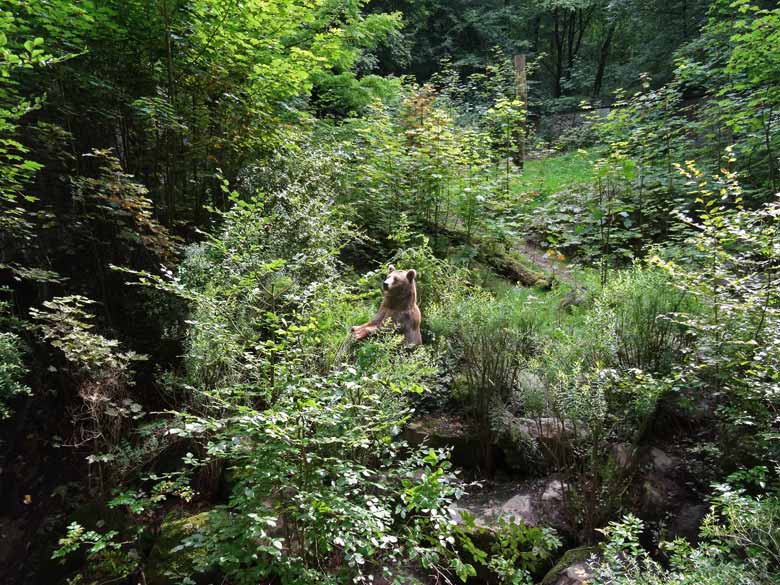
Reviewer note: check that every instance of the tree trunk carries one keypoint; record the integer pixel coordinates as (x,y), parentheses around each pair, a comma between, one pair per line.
(557,53)
(603,56)
(521,93)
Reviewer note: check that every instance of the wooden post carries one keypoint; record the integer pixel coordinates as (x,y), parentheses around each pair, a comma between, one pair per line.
(521,93)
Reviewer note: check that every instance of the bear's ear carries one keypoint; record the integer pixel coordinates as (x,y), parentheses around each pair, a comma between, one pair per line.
(390,268)
(411,274)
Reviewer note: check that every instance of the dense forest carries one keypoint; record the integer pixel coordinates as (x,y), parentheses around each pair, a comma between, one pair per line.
(389,291)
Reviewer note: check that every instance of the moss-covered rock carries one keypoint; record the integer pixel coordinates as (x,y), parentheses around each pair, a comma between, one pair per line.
(572,568)
(163,566)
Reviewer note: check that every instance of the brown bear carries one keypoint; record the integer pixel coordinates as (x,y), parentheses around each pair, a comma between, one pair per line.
(399,304)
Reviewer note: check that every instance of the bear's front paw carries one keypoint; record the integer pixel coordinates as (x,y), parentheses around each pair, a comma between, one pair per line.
(360,333)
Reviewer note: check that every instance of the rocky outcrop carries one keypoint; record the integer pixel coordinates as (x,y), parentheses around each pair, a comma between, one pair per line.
(534,503)
(443,430)
(660,486)
(523,445)
(665,494)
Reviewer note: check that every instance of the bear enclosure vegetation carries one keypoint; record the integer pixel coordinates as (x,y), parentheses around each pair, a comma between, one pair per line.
(212,372)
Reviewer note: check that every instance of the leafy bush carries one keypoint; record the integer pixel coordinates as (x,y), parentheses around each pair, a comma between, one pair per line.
(103,377)
(736,324)
(12,371)
(274,263)
(491,341)
(415,167)
(645,303)
(591,411)
(320,489)
(590,396)
(517,551)
(739,547)
(333,501)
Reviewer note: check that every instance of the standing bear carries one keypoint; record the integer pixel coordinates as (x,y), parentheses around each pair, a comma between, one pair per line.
(399,304)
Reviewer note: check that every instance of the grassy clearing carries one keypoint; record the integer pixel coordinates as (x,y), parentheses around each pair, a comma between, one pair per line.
(547,304)
(542,177)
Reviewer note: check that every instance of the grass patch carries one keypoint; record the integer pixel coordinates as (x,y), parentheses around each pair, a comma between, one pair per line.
(542,177)
(546,305)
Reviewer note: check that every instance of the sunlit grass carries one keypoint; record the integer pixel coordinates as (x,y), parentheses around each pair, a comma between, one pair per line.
(546,304)
(539,178)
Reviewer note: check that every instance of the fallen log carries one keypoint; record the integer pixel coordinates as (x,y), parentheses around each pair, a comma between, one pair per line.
(511,268)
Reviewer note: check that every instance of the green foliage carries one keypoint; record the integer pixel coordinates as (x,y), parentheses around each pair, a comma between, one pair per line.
(321,489)
(592,410)
(203,113)
(597,382)
(645,304)
(417,169)
(118,216)
(553,174)
(15,169)
(257,287)
(584,48)
(66,325)
(738,547)
(108,556)
(601,221)
(334,500)
(735,327)
(182,89)
(12,371)
(103,379)
(491,342)
(519,551)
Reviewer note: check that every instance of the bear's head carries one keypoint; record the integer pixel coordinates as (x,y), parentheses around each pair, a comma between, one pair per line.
(400,289)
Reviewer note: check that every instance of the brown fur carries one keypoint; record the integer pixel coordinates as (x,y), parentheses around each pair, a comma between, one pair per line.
(399,305)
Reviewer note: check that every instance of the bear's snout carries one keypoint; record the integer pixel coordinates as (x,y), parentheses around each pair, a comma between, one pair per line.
(385,285)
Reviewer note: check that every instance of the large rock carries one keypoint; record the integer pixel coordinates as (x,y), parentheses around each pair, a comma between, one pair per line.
(687,521)
(444,430)
(553,492)
(661,487)
(662,462)
(546,428)
(534,503)
(624,455)
(574,568)
(555,438)
(523,445)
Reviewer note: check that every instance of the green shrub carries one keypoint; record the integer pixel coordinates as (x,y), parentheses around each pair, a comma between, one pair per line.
(592,401)
(517,551)
(645,303)
(322,492)
(736,324)
(12,371)
(739,547)
(252,288)
(491,342)
(102,377)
